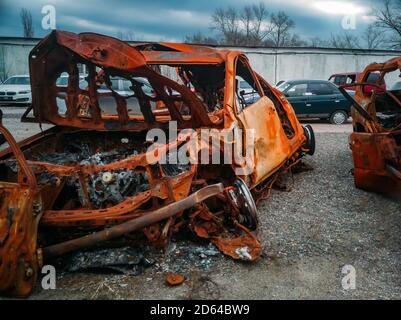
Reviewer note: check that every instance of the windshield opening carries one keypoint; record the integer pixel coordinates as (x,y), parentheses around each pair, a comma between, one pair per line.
(18,80)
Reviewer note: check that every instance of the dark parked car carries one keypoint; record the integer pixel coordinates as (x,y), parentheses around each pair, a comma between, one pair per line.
(317,99)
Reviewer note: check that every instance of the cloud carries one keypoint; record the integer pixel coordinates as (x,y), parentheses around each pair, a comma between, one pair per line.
(174,19)
(88,25)
(340,7)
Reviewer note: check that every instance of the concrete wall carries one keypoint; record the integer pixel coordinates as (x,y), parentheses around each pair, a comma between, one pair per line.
(273,64)
(309,63)
(14,56)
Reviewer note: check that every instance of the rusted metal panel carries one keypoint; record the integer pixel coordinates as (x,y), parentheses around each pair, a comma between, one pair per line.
(91,175)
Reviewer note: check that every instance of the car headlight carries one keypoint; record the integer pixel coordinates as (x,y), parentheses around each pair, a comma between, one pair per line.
(24,92)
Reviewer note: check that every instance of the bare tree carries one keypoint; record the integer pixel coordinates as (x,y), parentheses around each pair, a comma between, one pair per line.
(26,20)
(251,25)
(281,25)
(388,18)
(295,40)
(126,35)
(226,21)
(4,67)
(317,42)
(374,37)
(199,38)
(261,25)
(344,41)
(247,18)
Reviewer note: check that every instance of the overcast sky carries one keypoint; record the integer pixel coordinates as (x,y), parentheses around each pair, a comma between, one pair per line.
(172,20)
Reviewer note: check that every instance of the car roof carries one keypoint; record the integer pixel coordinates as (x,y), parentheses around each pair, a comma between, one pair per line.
(306,81)
(345,74)
(20,75)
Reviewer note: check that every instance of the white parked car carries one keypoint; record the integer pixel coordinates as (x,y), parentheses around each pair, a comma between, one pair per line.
(16,89)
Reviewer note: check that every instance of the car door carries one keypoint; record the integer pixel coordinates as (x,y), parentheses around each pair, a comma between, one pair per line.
(260,119)
(297,95)
(322,99)
(340,102)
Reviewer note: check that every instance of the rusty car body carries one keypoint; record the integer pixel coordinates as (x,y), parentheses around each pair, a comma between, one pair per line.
(88,179)
(376,140)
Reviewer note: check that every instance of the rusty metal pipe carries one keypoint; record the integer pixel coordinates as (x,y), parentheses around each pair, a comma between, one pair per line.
(135,224)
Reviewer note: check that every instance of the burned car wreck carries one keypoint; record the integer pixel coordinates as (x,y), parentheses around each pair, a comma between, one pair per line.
(96,175)
(376,140)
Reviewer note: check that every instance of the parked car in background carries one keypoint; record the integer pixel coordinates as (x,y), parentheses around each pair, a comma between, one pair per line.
(342,79)
(279,83)
(62,81)
(16,89)
(317,99)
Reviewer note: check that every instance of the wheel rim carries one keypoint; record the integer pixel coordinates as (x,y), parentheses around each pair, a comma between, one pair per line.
(339,118)
(244,201)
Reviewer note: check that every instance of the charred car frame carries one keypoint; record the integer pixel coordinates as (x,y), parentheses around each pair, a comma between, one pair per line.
(376,140)
(88,179)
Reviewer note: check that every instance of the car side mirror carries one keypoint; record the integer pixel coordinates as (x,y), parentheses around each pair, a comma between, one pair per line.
(242,92)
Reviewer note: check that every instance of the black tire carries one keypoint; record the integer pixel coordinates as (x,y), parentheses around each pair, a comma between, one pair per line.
(338,117)
(310,144)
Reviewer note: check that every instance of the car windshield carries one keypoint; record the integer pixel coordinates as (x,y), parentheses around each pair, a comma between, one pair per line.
(245,85)
(284,86)
(373,77)
(18,80)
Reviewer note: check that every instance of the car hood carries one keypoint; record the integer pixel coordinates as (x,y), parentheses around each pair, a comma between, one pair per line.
(14,87)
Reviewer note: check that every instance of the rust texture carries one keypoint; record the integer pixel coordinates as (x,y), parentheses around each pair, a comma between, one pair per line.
(89,179)
(376,140)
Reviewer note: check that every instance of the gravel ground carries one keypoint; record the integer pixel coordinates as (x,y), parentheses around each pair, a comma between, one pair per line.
(308,233)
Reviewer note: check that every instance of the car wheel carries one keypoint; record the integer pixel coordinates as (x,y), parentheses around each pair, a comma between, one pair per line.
(338,117)
(311,142)
(241,197)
